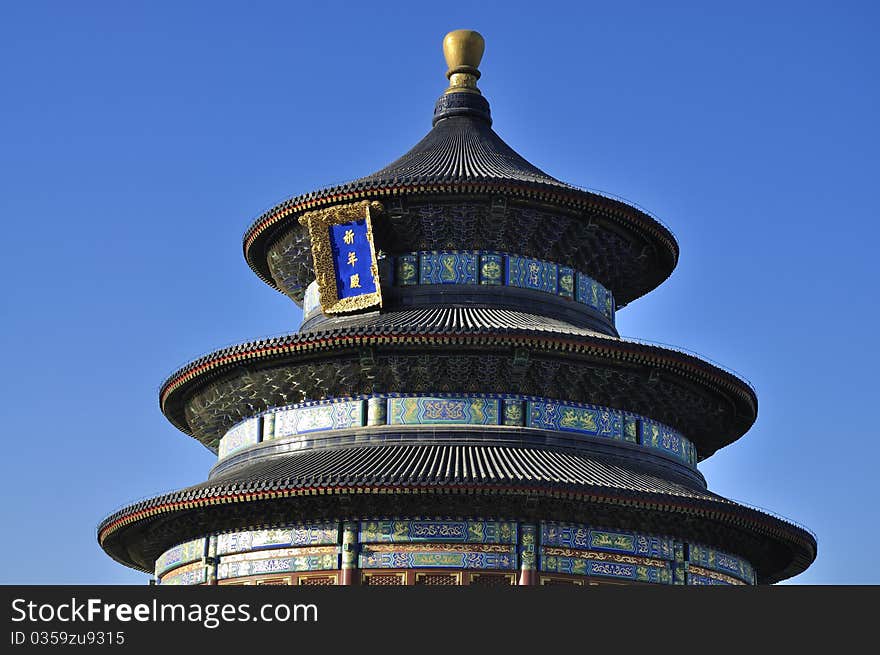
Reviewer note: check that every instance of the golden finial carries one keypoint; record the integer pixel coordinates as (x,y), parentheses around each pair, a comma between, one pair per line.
(463,50)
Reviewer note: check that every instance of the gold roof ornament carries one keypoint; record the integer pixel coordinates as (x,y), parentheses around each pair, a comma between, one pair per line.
(463,50)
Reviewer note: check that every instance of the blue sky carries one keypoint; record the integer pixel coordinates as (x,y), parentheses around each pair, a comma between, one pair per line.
(139,140)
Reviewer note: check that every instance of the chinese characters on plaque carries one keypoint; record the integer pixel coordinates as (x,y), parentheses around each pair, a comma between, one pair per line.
(344,256)
(352,259)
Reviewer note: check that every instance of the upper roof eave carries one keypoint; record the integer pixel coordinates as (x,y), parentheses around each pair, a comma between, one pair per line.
(262,231)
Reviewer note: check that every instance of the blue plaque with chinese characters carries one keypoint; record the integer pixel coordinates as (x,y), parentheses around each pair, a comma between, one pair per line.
(352,259)
(346,269)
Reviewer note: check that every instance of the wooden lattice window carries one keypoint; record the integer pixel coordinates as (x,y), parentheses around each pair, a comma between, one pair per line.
(492,579)
(385,579)
(438,579)
(318,580)
(274,581)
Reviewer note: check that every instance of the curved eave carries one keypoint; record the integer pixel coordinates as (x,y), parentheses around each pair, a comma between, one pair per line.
(182,383)
(260,234)
(632,490)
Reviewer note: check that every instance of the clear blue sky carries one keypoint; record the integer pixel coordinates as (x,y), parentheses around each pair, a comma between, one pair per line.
(139,140)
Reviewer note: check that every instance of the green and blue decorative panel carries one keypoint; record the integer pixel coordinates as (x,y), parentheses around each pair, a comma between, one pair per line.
(452,409)
(722,562)
(438,558)
(630,428)
(528,546)
(566,282)
(583,419)
(316,534)
(637,572)
(590,292)
(246,433)
(190,574)
(377,411)
(582,537)
(513,412)
(435,410)
(316,559)
(678,568)
(182,554)
(661,437)
(531,274)
(497,269)
(407,271)
(332,416)
(491,269)
(704,580)
(458,267)
(474,532)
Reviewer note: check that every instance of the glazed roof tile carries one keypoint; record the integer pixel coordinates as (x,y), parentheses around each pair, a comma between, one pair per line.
(451,320)
(459,149)
(438,465)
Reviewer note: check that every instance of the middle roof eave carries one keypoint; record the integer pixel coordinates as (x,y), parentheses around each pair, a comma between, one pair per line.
(469,328)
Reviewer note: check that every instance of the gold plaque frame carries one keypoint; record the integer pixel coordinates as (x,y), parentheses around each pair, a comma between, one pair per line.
(318,222)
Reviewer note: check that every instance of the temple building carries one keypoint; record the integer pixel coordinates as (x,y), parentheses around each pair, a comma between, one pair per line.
(457,407)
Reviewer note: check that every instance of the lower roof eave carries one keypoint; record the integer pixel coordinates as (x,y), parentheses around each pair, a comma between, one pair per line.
(803,546)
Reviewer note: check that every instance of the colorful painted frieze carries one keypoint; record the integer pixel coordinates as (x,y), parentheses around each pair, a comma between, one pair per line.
(531,274)
(438,556)
(697,575)
(582,537)
(587,290)
(407,272)
(583,419)
(715,560)
(246,433)
(436,410)
(182,554)
(301,535)
(630,428)
(702,580)
(377,413)
(447,409)
(638,569)
(601,295)
(495,268)
(190,574)
(285,561)
(690,452)
(679,576)
(566,282)
(528,546)
(513,412)
(479,532)
(491,269)
(330,416)
(457,267)
(661,437)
